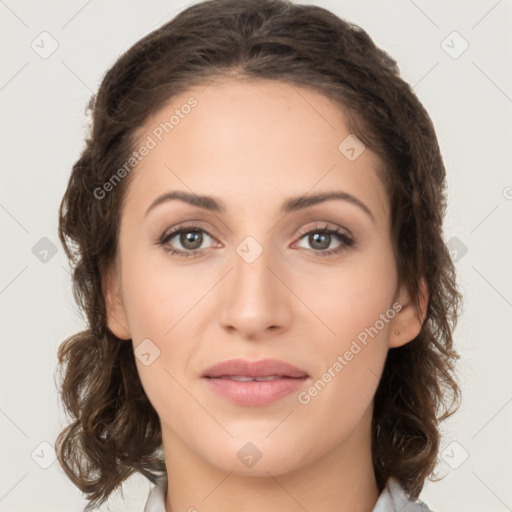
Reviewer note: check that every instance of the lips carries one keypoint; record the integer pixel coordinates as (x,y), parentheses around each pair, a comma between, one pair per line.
(254,383)
(245,371)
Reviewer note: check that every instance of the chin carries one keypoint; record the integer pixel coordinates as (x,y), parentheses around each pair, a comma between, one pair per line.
(258,458)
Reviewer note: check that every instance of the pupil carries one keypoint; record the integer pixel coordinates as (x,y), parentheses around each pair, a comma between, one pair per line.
(314,238)
(188,238)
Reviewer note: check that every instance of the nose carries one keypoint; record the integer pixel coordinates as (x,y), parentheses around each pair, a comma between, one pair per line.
(256,303)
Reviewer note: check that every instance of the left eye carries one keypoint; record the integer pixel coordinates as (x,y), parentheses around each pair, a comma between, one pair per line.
(320,239)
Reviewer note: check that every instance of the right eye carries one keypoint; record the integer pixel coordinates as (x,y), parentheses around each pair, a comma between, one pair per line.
(190,238)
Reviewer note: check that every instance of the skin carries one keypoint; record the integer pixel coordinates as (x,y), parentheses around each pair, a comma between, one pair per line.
(252,145)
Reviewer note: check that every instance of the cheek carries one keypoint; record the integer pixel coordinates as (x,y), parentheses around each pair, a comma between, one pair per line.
(164,303)
(355,309)
(160,295)
(342,395)
(351,297)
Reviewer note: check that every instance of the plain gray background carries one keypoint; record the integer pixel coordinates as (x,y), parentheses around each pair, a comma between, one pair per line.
(43,99)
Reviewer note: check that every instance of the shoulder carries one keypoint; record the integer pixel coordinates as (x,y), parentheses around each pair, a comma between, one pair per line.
(394,499)
(156,499)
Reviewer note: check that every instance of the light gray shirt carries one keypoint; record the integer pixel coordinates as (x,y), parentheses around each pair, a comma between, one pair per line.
(393,498)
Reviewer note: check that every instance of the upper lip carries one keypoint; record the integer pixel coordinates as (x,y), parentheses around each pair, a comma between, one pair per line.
(262,368)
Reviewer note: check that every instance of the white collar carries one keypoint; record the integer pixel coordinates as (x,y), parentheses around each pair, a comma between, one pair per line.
(392,499)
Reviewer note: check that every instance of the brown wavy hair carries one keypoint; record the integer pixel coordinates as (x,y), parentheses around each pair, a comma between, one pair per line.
(114,429)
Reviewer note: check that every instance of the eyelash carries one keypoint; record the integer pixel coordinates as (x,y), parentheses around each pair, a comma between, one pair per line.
(347,241)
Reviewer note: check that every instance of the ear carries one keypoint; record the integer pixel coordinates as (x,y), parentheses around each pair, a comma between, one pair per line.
(117,320)
(408,321)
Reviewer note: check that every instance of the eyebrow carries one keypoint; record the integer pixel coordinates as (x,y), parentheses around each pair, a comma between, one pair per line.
(290,205)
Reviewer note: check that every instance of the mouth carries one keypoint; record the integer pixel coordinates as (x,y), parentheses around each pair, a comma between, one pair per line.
(252,384)
(265,368)
(244,378)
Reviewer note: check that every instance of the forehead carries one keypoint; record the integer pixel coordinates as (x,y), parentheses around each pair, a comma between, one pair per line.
(252,143)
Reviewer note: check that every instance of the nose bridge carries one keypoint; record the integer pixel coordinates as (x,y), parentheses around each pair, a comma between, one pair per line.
(252,262)
(255,299)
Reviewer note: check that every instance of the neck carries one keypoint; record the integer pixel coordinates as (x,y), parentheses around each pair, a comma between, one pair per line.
(342,480)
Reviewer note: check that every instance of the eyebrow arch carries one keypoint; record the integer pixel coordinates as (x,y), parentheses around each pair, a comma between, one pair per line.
(290,205)
(297,203)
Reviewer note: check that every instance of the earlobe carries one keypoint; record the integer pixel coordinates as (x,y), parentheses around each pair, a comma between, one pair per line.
(407,323)
(117,320)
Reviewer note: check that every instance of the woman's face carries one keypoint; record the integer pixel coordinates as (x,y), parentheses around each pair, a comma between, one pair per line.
(255,278)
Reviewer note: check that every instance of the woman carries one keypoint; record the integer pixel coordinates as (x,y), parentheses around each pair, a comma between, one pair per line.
(255,225)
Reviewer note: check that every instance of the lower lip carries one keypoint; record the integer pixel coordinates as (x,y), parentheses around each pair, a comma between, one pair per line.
(255,393)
